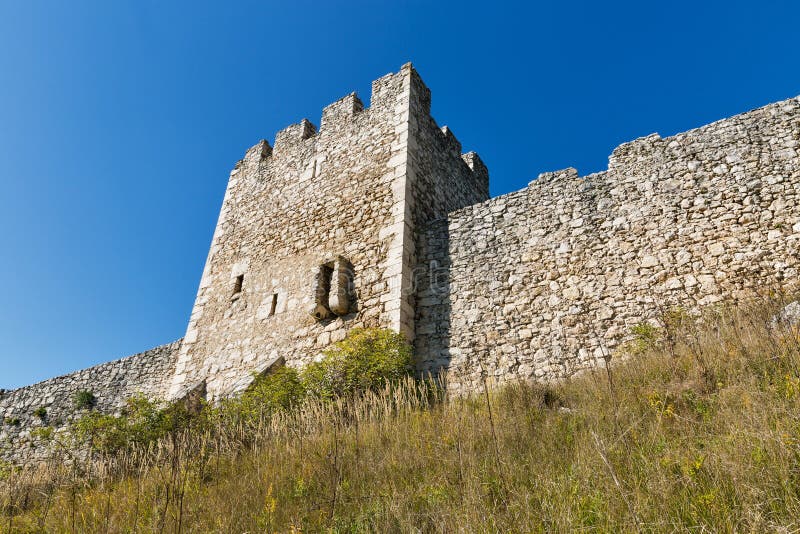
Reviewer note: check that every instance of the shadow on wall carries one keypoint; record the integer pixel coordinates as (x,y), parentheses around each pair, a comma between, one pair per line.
(433,311)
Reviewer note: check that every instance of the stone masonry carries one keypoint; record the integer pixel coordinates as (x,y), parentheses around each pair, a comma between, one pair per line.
(547,281)
(112,384)
(334,212)
(377,219)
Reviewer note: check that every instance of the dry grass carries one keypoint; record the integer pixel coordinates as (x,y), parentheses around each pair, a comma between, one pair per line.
(699,432)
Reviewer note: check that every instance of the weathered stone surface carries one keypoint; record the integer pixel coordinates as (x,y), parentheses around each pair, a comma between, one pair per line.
(789,316)
(324,225)
(112,383)
(688,220)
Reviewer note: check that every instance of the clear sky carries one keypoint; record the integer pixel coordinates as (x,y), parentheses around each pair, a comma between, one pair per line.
(120,121)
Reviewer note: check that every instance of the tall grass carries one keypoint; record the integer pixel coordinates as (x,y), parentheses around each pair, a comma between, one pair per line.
(700,432)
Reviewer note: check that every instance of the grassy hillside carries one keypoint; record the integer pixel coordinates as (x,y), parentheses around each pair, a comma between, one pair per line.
(699,430)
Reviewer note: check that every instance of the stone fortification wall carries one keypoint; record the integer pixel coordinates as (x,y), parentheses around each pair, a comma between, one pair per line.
(111,384)
(543,282)
(439,178)
(320,211)
(287,211)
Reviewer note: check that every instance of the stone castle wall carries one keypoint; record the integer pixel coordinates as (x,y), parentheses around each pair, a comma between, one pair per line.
(319,211)
(544,282)
(439,179)
(112,383)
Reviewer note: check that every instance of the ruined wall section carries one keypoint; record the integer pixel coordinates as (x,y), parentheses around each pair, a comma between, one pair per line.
(439,179)
(112,384)
(287,211)
(544,282)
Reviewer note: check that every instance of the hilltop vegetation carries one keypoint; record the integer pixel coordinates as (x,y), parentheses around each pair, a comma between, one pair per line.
(698,430)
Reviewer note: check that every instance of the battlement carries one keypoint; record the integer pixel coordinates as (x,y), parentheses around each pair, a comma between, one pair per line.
(475,163)
(258,152)
(470,159)
(395,96)
(384,99)
(383,90)
(294,134)
(341,112)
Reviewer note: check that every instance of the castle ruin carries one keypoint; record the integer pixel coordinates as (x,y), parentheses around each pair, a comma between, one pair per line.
(377,219)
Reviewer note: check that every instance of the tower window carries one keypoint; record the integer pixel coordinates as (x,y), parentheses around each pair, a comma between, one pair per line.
(322,287)
(332,289)
(274,304)
(237,286)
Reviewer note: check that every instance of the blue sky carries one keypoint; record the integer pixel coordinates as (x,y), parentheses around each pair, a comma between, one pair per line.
(119,123)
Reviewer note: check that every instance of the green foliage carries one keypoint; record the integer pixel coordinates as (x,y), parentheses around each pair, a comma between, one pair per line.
(367,359)
(44,433)
(12,421)
(40,412)
(142,421)
(646,337)
(6,468)
(280,389)
(676,318)
(84,400)
(102,432)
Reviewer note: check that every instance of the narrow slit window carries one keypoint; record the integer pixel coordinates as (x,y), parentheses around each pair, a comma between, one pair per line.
(274,305)
(322,288)
(237,285)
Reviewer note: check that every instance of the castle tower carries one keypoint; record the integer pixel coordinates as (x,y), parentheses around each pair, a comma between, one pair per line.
(318,235)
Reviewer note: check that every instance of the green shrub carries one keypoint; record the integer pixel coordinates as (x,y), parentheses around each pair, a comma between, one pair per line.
(278,390)
(40,412)
(646,337)
(44,433)
(102,432)
(6,468)
(84,400)
(12,421)
(366,359)
(142,421)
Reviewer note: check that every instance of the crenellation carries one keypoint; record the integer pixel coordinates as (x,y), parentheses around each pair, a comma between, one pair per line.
(420,92)
(258,152)
(294,134)
(384,91)
(475,163)
(341,112)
